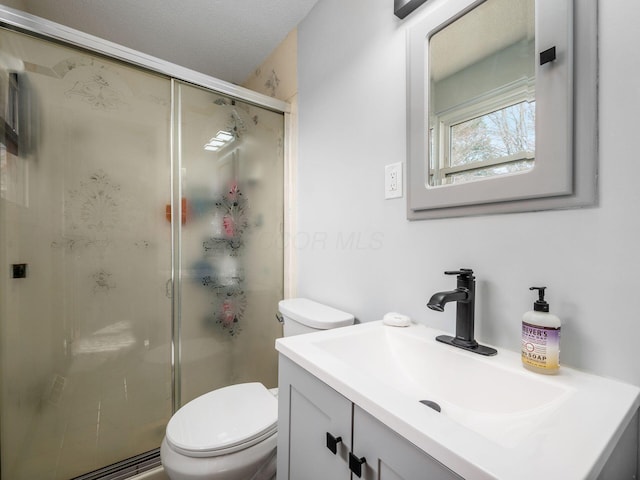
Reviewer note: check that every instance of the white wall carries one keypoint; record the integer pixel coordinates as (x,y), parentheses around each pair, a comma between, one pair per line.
(352,122)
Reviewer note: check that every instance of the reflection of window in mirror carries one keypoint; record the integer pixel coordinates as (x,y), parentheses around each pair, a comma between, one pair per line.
(482,94)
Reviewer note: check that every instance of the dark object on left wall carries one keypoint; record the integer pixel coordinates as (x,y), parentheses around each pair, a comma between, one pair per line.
(19,270)
(402,8)
(18,119)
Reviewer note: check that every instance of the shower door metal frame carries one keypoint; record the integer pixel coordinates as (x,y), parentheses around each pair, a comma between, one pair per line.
(45,29)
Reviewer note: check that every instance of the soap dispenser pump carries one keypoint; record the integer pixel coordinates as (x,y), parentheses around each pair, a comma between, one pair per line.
(541,337)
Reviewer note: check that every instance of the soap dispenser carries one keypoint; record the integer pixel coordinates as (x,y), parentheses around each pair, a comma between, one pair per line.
(541,337)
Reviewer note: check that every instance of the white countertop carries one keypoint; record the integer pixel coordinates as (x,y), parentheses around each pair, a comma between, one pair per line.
(568,437)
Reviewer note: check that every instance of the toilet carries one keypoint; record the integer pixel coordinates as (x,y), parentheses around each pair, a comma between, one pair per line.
(231,433)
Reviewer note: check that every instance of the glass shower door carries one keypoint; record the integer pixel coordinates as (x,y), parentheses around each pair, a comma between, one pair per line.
(231,165)
(85,256)
(133,278)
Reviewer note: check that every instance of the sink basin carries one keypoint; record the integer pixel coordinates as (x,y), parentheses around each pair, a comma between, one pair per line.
(494,416)
(503,404)
(426,369)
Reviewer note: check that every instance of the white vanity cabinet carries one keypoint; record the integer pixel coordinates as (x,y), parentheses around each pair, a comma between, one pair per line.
(308,410)
(389,456)
(366,384)
(313,417)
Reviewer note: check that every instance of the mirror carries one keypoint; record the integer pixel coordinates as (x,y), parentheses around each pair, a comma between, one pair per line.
(502,107)
(482,108)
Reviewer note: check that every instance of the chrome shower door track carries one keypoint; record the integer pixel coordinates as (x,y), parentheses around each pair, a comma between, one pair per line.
(126,468)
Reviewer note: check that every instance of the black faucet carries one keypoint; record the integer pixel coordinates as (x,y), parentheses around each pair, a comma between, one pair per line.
(465,296)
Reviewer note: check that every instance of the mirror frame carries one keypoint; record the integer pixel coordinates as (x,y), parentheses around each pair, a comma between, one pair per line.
(565,172)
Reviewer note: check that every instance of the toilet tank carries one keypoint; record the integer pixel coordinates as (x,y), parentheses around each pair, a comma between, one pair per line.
(302,315)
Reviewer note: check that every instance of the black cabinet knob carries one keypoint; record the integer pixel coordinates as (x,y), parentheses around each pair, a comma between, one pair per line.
(332,443)
(355,464)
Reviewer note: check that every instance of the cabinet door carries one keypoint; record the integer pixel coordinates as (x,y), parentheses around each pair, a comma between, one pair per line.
(389,456)
(309,411)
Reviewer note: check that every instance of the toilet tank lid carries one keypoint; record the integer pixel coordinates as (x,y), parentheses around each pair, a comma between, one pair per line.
(314,314)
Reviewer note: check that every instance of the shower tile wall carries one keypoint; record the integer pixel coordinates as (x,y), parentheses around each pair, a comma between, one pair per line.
(86,335)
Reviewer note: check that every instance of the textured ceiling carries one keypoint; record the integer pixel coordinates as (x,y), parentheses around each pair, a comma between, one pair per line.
(226,39)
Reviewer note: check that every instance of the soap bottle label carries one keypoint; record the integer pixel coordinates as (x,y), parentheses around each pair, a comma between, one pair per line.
(541,346)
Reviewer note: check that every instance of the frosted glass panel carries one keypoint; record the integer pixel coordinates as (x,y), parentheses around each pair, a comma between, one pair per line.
(232,262)
(88,238)
(85,335)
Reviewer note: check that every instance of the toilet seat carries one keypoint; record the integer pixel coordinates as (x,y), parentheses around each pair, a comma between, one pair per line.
(224,421)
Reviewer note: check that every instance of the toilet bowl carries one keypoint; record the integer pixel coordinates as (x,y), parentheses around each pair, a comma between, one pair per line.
(231,433)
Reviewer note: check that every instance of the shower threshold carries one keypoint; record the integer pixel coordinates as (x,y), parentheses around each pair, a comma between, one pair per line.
(126,468)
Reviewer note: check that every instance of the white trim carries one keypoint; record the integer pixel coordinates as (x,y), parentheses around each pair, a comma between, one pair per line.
(290,196)
(506,96)
(469,167)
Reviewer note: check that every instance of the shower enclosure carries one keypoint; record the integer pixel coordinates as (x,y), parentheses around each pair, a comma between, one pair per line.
(141,252)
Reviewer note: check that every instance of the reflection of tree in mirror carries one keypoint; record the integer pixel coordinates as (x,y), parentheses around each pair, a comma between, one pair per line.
(512,129)
(507,132)
(471,142)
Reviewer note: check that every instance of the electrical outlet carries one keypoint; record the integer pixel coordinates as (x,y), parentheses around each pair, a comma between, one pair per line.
(393,180)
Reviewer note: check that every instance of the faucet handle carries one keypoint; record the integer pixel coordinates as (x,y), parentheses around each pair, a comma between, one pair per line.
(467,272)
